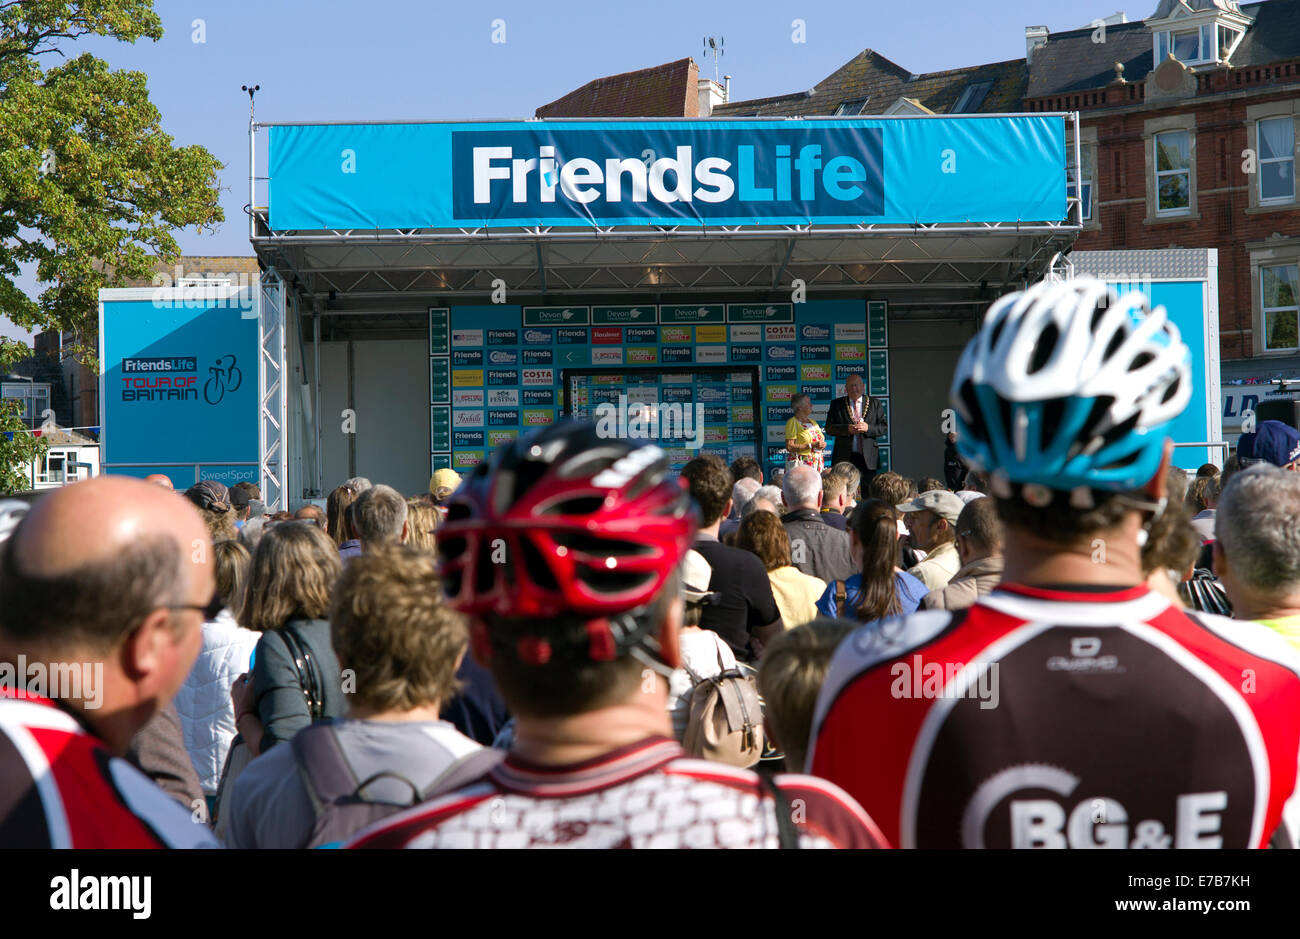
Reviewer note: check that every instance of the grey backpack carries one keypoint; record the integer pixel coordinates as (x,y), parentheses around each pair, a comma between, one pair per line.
(340,799)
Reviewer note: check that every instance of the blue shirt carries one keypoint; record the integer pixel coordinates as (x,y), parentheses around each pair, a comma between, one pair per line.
(909,589)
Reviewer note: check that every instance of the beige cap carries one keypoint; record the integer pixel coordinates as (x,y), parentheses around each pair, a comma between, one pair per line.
(941,502)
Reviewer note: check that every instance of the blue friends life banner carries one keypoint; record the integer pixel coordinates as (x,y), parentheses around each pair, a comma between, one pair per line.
(180,383)
(699,172)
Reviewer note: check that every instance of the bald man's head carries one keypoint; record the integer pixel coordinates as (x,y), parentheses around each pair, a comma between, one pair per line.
(158,479)
(112,570)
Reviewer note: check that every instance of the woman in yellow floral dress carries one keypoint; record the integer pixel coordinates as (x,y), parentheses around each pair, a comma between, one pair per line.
(804,441)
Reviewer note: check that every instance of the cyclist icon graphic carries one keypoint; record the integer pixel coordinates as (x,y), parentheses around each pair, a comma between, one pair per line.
(225,377)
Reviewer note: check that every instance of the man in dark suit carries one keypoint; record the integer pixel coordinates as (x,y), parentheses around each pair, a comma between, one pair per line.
(855,421)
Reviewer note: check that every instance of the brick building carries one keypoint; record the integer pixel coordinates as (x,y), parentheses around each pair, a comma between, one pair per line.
(674,89)
(1189,125)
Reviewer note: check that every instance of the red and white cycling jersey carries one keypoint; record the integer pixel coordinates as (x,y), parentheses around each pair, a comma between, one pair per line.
(646,795)
(1051,718)
(59,788)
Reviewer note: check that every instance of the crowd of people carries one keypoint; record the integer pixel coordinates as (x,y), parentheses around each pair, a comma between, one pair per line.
(574,646)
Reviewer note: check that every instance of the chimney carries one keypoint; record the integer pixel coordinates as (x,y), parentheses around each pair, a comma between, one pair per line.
(726,88)
(711,95)
(1035,36)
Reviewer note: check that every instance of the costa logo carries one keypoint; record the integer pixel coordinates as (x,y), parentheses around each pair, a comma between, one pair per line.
(779,332)
(467,398)
(815,332)
(503,357)
(539,376)
(781,353)
(607,335)
(538,337)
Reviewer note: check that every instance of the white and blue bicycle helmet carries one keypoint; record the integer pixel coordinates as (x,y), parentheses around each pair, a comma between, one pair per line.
(1067,385)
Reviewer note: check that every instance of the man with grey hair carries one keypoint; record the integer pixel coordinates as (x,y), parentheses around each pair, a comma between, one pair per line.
(1257,548)
(815,547)
(742,491)
(359,484)
(379,516)
(759,504)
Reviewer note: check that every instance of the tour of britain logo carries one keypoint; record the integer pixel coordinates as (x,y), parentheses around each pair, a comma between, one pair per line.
(165,378)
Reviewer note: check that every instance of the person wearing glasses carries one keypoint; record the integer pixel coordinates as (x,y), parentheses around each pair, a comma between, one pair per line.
(101,584)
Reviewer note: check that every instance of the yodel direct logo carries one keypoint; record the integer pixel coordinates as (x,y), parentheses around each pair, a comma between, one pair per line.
(699,172)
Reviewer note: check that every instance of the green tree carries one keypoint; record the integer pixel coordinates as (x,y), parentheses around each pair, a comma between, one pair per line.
(91,189)
(18,446)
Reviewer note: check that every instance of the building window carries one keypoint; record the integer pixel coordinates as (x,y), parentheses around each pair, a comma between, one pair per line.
(1173,172)
(1276,137)
(972,96)
(852,107)
(1082,188)
(1278,290)
(1189,46)
(1227,40)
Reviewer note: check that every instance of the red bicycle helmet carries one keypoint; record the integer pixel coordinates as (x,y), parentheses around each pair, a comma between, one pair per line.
(564,522)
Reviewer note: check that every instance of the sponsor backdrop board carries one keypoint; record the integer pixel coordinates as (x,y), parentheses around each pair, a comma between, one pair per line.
(502,370)
(699,409)
(179,386)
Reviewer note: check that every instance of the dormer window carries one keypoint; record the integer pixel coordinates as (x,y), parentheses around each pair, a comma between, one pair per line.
(1189,46)
(1197,32)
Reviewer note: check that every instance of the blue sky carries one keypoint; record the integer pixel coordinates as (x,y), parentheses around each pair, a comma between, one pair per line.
(400,59)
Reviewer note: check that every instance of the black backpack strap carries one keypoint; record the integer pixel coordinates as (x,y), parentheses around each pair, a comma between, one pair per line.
(786,831)
(468,769)
(308,679)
